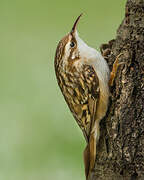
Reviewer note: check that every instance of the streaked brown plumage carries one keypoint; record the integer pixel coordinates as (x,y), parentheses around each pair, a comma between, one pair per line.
(83,77)
(80,90)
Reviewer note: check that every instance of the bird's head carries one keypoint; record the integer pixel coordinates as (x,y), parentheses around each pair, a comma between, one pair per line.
(71,48)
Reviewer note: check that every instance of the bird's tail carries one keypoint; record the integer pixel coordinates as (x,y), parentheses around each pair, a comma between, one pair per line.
(90,151)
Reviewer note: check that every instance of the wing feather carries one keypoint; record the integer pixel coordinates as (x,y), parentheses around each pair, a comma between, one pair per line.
(88,93)
(81,95)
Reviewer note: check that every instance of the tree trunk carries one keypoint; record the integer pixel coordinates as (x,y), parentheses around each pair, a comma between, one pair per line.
(120,151)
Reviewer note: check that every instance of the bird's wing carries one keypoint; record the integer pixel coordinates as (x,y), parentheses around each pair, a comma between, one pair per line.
(86,96)
(81,95)
(93,95)
(92,82)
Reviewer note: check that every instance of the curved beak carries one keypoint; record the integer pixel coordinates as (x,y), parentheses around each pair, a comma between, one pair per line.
(75,24)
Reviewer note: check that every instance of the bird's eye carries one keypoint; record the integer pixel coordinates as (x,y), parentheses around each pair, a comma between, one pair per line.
(72,44)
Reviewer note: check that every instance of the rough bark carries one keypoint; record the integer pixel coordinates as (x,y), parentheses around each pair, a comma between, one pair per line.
(120,152)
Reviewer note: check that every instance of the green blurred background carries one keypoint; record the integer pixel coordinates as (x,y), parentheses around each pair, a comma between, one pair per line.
(39,138)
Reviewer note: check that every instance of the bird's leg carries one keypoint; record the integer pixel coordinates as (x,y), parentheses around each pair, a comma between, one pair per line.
(114,70)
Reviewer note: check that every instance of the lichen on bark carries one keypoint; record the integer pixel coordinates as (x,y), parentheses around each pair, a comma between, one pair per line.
(120,152)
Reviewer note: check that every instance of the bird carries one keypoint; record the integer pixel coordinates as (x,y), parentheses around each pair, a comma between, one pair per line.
(84,78)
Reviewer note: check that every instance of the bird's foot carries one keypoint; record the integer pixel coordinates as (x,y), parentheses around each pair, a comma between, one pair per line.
(116,64)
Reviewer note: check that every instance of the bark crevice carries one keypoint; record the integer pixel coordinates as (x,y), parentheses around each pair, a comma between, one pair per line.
(120,151)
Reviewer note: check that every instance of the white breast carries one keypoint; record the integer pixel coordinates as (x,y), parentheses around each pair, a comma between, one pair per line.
(92,57)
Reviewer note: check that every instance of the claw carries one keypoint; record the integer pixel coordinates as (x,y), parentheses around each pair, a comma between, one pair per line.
(114,69)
